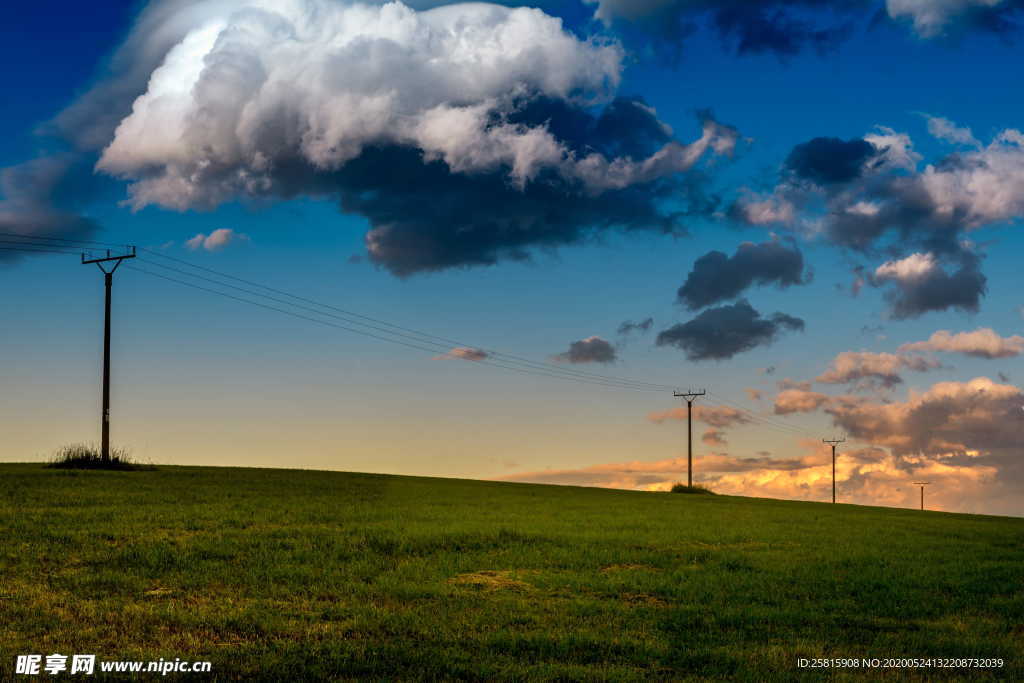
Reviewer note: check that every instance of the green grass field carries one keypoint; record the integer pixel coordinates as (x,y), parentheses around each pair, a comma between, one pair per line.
(288,575)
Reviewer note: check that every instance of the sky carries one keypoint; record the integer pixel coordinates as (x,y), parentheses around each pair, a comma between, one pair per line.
(490,241)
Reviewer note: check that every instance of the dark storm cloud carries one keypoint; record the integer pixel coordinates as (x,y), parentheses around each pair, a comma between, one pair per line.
(787,27)
(629,326)
(772,28)
(628,127)
(423,217)
(589,350)
(783,27)
(717,277)
(829,160)
(1004,18)
(870,196)
(721,333)
(925,286)
(904,208)
(919,219)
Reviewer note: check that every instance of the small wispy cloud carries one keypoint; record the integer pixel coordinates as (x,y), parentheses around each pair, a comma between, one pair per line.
(464,353)
(589,350)
(944,129)
(216,240)
(629,326)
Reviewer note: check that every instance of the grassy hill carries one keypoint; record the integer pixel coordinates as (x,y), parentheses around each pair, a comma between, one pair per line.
(299,575)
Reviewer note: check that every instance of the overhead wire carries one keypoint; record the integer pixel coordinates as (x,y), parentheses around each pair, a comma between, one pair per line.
(407,333)
(408,330)
(389,332)
(547,367)
(61,239)
(761,419)
(423,338)
(29,250)
(379,337)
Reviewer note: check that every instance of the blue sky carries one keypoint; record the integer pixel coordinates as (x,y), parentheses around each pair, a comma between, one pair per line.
(202,379)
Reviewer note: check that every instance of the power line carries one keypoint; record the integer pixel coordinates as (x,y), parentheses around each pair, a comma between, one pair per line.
(539,369)
(424,337)
(38,251)
(544,369)
(46,245)
(453,342)
(375,336)
(431,337)
(420,340)
(416,338)
(432,347)
(61,239)
(762,420)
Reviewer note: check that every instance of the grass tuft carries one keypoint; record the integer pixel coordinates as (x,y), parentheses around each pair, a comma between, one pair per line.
(80,456)
(491,581)
(683,488)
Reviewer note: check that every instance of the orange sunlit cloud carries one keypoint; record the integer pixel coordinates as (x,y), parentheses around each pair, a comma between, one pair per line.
(715,416)
(959,436)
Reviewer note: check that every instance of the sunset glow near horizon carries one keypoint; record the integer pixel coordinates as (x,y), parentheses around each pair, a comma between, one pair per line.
(811,209)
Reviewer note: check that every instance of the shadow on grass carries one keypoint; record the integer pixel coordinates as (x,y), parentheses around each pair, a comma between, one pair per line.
(87,457)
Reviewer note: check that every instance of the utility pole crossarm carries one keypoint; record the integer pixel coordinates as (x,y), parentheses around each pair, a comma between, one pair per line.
(689,395)
(108,281)
(117,258)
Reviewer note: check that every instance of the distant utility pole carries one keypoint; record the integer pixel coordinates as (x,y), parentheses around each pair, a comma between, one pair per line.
(689,396)
(922,484)
(833,442)
(108,278)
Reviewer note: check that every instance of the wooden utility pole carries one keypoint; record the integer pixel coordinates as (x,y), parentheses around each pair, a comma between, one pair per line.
(833,442)
(922,484)
(108,279)
(689,396)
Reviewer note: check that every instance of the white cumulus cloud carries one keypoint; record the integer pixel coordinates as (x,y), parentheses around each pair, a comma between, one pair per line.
(262,86)
(914,267)
(216,240)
